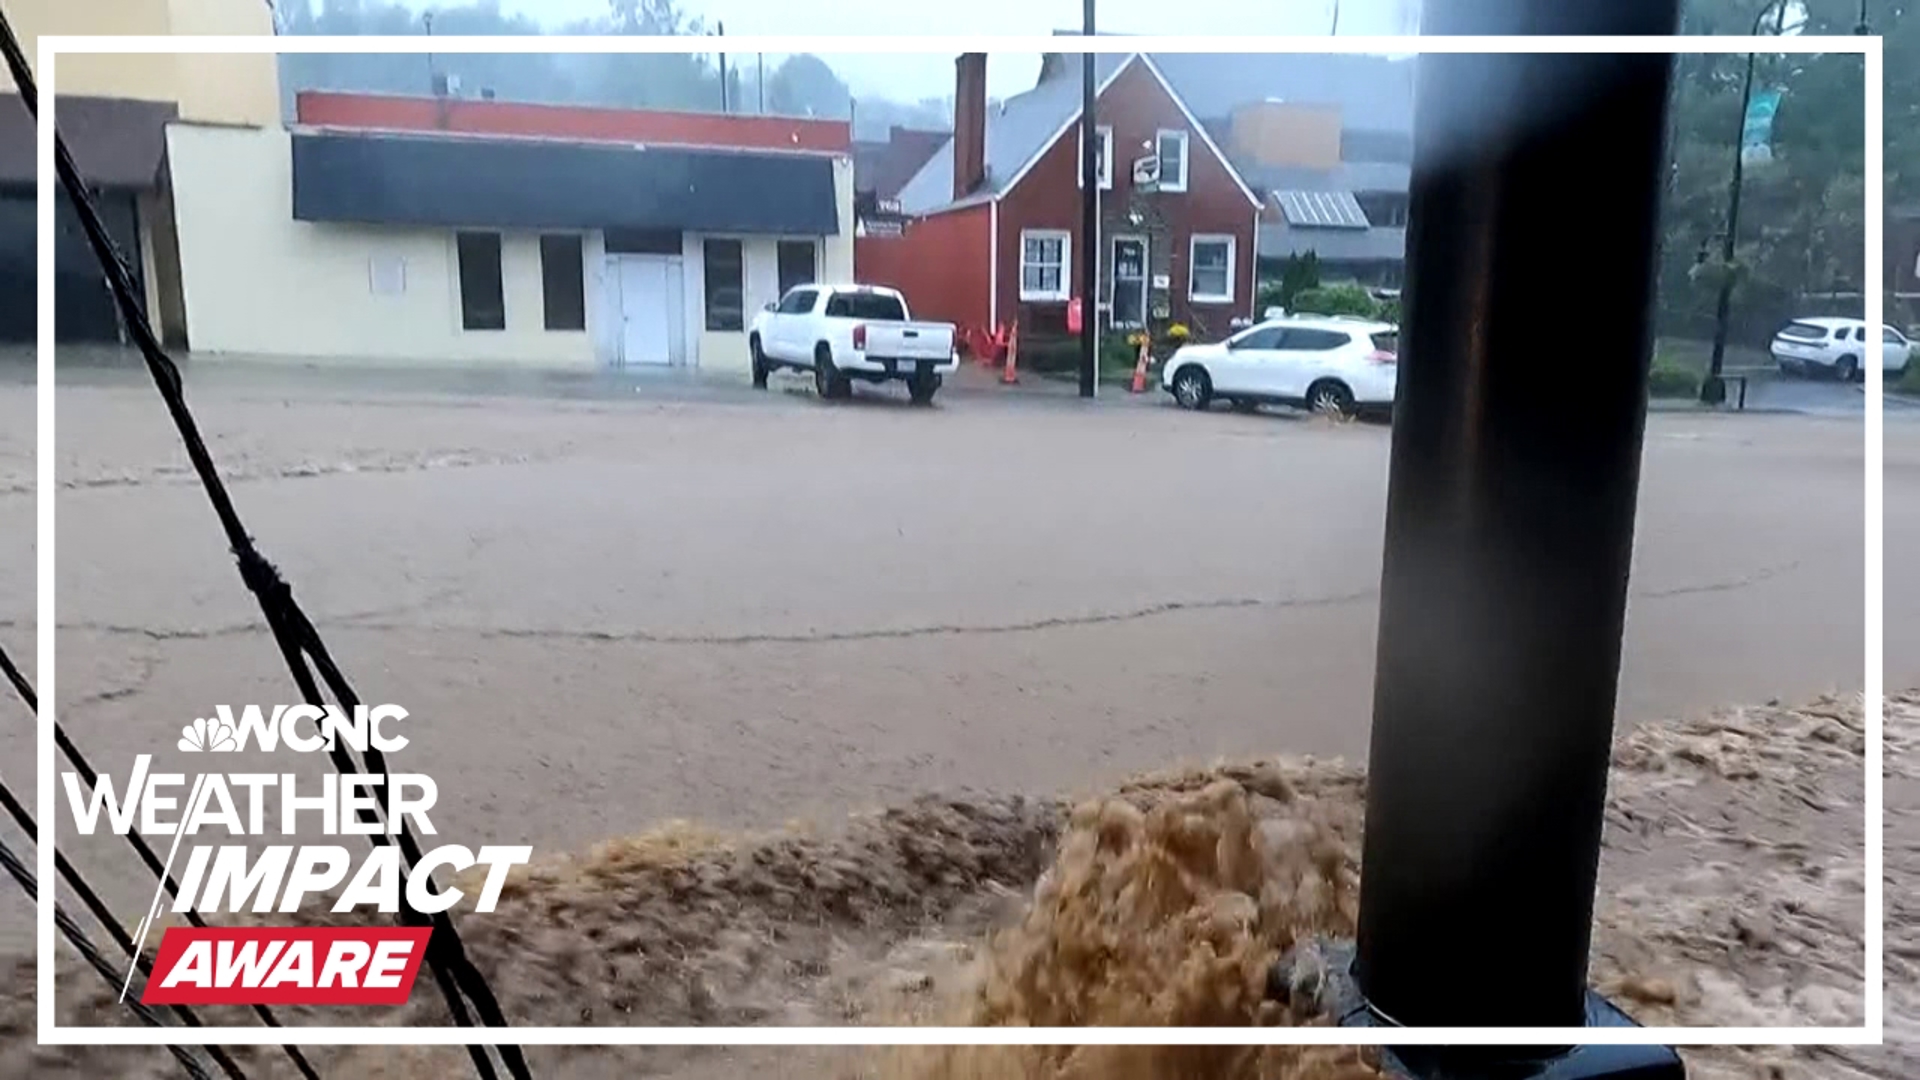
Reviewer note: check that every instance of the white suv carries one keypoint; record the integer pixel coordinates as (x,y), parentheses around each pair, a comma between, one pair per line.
(1836,347)
(1327,364)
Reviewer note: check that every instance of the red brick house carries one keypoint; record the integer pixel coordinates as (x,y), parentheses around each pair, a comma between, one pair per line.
(993,235)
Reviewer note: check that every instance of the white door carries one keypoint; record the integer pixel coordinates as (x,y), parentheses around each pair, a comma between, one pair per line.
(646,310)
(1895,347)
(676,311)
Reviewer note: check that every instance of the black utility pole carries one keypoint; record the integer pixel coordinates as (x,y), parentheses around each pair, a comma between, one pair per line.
(1510,515)
(1090,155)
(720,30)
(1713,389)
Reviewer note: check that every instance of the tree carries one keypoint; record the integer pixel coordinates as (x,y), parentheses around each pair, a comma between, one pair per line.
(1802,228)
(803,85)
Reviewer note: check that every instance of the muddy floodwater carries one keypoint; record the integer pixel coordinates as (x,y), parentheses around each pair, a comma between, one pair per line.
(848,715)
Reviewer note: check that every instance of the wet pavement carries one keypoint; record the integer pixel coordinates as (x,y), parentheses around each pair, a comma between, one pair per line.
(607,608)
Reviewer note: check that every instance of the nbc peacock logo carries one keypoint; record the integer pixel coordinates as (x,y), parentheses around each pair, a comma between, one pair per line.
(216,735)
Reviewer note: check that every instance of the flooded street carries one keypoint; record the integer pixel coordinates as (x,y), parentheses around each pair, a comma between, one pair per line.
(605,612)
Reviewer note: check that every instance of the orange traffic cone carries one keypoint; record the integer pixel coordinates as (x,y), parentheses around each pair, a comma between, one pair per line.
(1009,375)
(1140,369)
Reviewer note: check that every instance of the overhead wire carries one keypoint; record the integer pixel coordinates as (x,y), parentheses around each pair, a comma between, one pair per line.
(298,639)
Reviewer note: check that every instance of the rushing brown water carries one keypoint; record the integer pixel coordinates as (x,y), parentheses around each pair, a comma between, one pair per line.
(1731,894)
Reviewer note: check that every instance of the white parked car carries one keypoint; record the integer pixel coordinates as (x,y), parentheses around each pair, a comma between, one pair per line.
(847,332)
(1326,364)
(1836,348)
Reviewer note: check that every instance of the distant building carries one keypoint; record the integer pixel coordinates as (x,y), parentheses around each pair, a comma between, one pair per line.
(1326,141)
(881,169)
(994,236)
(452,229)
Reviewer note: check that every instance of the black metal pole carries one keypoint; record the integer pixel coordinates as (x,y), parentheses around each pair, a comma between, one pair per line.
(1090,156)
(720,30)
(1510,511)
(1713,389)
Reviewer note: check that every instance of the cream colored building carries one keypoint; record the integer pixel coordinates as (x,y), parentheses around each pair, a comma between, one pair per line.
(263,275)
(209,89)
(113,111)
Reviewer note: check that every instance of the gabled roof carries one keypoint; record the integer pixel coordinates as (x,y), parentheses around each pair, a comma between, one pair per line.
(1026,125)
(885,167)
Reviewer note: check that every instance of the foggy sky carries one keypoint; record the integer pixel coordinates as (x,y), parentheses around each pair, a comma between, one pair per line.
(909,78)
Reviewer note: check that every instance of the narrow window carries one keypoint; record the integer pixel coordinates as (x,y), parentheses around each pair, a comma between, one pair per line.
(796,264)
(563,281)
(483,302)
(725,289)
(1171,146)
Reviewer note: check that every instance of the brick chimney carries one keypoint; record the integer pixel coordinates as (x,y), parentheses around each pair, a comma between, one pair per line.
(969,123)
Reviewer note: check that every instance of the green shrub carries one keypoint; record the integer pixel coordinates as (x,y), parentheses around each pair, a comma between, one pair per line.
(1336,300)
(1115,353)
(1670,380)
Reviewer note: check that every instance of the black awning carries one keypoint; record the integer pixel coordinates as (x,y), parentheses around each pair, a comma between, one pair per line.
(117,143)
(468,181)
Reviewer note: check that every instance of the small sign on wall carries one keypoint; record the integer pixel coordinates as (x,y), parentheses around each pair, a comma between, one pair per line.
(1162,281)
(387,275)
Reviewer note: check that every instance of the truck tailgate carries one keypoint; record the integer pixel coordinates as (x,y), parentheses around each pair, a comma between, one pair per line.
(910,341)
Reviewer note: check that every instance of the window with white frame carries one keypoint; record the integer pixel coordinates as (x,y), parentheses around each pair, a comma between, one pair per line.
(1171,145)
(1210,270)
(1044,260)
(1103,147)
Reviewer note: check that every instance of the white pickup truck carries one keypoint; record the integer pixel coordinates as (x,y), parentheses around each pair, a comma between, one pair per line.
(847,332)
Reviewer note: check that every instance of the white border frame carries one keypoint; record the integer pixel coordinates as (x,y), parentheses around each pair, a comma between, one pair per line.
(51,1033)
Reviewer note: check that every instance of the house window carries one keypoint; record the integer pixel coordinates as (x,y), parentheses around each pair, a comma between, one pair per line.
(483,302)
(563,284)
(1172,148)
(1210,270)
(1103,147)
(725,288)
(796,264)
(1043,264)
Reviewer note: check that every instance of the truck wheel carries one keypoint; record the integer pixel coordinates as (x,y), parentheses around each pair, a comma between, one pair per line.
(1846,369)
(827,380)
(920,388)
(759,363)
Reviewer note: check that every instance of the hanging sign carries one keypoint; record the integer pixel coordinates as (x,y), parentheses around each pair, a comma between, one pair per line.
(1756,135)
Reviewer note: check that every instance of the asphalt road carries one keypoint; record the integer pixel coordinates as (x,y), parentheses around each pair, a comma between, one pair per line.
(613,607)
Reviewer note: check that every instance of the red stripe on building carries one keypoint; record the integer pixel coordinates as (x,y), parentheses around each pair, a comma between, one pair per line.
(376,112)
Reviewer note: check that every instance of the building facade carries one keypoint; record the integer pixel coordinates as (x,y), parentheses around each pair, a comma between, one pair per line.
(113,112)
(994,233)
(449,230)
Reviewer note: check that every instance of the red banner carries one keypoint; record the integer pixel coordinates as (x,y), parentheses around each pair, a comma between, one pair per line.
(309,965)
